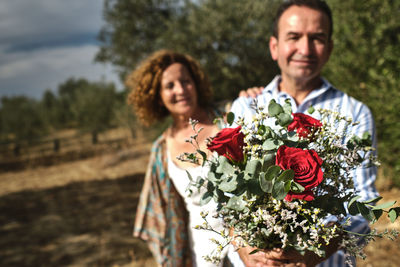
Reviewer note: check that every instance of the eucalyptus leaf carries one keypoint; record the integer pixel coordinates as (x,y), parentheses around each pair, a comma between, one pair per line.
(272,172)
(286,175)
(212,177)
(351,202)
(284,119)
(253,167)
(365,212)
(394,213)
(265,184)
(274,108)
(377,214)
(288,185)
(287,107)
(376,199)
(224,166)
(311,110)
(353,210)
(236,203)
(291,136)
(230,117)
(203,155)
(254,187)
(272,144)
(228,185)
(384,205)
(268,160)
(278,190)
(189,176)
(206,198)
(297,188)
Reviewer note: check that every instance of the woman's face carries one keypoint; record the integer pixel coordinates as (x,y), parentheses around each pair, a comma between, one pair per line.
(178,91)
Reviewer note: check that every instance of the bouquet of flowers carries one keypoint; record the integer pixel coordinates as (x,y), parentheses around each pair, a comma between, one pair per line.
(282,179)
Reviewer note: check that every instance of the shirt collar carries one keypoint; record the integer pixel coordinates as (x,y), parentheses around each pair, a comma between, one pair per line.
(273,89)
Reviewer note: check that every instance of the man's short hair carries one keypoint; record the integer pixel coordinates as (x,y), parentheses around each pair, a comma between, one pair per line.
(313,4)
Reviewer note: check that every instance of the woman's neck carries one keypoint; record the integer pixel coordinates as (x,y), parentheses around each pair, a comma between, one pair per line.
(181,122)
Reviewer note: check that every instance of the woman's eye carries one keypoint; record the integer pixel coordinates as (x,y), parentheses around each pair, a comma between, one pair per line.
(169,86)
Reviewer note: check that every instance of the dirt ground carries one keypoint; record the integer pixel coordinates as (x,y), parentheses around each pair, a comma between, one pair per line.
(81,214)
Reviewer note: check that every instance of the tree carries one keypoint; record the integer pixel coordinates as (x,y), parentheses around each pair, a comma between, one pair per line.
(21,119)
(229,38)
(93,108)
(366,63)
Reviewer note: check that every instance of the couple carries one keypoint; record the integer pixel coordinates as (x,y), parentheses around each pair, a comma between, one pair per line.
(173,84)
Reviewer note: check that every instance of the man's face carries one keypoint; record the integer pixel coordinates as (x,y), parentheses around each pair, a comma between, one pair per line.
(303,45)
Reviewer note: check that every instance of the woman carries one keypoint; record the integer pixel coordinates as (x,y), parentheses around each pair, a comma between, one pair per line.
(169,83)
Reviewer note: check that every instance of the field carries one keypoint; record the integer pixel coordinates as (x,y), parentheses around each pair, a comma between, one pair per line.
(80,212)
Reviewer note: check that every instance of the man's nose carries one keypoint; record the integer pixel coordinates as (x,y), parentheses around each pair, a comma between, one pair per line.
(305,46)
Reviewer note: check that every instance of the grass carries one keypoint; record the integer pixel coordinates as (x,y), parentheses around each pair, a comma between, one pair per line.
(81,213)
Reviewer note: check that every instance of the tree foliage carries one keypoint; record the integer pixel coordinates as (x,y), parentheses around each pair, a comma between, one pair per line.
(229,38)
(21,119)
(88,106)
(366,64)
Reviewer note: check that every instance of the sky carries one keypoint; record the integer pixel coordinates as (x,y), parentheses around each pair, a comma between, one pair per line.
(45,42)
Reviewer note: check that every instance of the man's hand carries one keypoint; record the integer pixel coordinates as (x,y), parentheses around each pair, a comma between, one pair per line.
(277,257)
(251,92)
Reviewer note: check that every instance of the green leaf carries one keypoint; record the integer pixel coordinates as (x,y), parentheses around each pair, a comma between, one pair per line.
(288,185)
(224,166)
(284,119)
(274,109)
(296,187)
(291,136)
(253,167)
(228,185)
(268,160)
(265,184)
(286,175)
(311,110)
(394,213)
(377,214)
(189,176)
(353,210)
(287,107)
(384,205)
(236,203)
(272,144)
(365,212)
(254,187)
(230,117)
(372,200)
(211,176)
(203,155)
(278,190)
(272,172)
(206,198)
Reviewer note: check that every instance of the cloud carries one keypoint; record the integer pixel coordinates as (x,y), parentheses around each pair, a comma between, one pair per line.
(46,21)
(45,42)
(30,73)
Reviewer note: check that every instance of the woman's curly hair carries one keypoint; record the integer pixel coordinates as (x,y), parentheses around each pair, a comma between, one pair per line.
(145,85)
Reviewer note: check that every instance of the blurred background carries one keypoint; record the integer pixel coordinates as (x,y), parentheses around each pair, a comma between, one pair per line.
(72,156)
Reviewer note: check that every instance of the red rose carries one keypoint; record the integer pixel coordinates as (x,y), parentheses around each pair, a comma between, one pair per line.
(304,124)
(229,143)
(306,165)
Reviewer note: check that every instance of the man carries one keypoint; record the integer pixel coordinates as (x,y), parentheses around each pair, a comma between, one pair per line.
(301,44)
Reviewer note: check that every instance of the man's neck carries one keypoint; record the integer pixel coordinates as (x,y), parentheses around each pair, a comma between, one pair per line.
(299,90)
